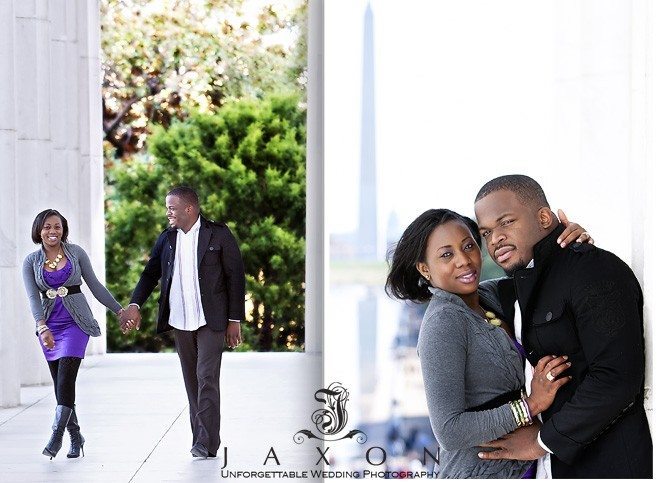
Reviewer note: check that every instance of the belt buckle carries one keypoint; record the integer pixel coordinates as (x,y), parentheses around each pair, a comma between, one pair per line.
(62,291)
(51,293)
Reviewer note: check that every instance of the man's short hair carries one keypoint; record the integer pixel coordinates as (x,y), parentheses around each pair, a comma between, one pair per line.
(185,193)
(526,189)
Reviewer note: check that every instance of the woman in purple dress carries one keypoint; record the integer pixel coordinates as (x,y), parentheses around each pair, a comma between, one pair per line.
(52,276)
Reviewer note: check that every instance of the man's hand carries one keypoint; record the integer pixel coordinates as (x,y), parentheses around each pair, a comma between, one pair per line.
(233,334)
(522,444)
(130,318)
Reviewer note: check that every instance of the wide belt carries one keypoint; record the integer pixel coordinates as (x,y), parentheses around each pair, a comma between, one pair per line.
(62,291)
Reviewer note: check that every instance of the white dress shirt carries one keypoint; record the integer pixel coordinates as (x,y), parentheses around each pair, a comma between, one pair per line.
(543,469)
(185,295)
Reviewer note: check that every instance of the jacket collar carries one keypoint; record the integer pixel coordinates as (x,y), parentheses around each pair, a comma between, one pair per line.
(204,236)
(547,246)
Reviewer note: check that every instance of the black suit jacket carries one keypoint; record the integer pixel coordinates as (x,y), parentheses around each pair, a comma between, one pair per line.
(586,303)
(220,273)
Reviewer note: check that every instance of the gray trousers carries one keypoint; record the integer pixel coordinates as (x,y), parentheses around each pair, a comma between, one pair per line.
(200,358)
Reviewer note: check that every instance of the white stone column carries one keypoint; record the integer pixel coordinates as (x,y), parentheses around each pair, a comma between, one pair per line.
(50,157)
(9,324)
(641,169)
(605,130)
(644,61)
(316,237)
(91,152)
(34,174)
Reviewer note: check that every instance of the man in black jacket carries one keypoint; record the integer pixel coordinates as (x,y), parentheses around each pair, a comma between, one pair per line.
(202,299)
(583,302)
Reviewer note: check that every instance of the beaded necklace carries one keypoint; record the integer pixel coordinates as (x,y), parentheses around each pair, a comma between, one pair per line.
(491,318)
(53,264)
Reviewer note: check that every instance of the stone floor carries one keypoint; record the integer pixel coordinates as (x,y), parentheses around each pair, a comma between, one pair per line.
(133,412)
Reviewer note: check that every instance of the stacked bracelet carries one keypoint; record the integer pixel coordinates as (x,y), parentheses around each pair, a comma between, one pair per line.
(42,328)
(521,413)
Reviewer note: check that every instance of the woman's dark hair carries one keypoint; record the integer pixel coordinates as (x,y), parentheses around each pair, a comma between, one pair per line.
(40,220)
(404,282)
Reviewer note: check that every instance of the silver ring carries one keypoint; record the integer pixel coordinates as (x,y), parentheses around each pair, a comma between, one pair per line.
(549,376)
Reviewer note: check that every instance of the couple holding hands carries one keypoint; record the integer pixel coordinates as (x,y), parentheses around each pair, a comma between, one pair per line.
(200,269)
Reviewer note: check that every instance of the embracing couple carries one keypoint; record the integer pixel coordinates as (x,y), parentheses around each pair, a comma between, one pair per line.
(201,274)
(536,375)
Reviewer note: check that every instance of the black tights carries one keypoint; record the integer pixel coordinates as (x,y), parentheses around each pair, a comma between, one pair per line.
(64,372)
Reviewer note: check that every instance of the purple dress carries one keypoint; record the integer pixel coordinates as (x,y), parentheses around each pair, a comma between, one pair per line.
(70,341)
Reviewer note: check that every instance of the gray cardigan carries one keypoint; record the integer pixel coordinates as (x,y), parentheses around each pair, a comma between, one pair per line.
(76,303)
(467,362)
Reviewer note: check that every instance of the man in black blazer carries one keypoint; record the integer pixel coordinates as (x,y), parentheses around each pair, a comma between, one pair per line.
(583,302)
(202,290)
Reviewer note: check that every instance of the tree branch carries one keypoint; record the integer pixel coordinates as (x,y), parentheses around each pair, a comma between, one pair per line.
(110,127)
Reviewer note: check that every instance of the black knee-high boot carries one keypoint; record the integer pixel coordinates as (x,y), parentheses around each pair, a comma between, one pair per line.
(77,440)
(62,415)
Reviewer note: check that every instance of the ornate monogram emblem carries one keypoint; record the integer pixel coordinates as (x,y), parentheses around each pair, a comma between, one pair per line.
(333,418)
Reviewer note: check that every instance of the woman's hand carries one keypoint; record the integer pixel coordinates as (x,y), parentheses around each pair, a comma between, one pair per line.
(125,328)
(546,382)
(573,232)
(47,339)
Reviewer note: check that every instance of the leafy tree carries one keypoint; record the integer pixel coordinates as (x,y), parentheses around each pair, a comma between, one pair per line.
(247,162)
(163,59)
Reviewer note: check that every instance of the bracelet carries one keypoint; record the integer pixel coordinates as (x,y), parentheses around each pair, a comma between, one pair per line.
(521,413)
(42,328)
(527,418)
(516,413)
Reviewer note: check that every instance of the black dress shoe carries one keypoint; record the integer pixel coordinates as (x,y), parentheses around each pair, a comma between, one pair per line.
(212,455)
(199,451)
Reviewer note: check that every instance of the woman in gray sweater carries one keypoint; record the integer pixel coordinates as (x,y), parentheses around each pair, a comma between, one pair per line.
(471,363)
(52,276)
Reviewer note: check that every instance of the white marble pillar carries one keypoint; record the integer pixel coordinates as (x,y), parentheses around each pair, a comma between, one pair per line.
(50,157)
(9,325)
(605,132)
(316,237)
(644,63)
(91,150)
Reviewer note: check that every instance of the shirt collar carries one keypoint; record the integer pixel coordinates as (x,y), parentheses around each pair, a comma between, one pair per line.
(195,227)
